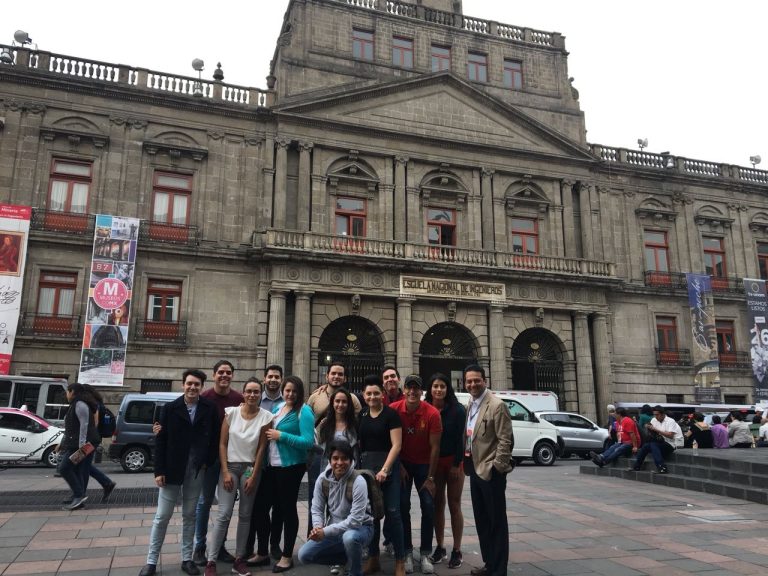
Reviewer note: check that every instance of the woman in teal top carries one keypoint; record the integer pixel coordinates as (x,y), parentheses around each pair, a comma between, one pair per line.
(292,435)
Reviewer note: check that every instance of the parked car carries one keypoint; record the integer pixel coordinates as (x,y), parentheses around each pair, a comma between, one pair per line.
(23,433)
(535,439)
(46,397)
(580,435)
(133,443)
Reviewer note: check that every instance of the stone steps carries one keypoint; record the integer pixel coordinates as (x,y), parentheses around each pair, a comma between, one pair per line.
(708,472)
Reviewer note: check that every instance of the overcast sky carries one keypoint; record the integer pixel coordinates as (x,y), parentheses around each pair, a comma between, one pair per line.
(688,75)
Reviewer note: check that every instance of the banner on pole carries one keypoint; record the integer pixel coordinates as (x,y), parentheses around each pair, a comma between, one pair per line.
(14,232)
(758,333)
(706,363)
(105,337)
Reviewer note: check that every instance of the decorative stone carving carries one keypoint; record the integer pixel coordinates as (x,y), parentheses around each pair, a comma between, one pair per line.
(337,277)
(75,137)
(293,274)
(315,276)
(541,293)
(174,150)
(538,317)
(215,135)
(377,280)
(357,279)
(282,142)
(355,304)
(679,198)
(451,311)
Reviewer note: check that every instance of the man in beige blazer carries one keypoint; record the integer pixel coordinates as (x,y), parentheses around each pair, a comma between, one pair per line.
(487,455)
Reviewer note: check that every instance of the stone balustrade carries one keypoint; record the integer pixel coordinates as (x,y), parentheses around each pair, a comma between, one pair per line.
(136,78)
(371,247)
(677,164)
(468,23)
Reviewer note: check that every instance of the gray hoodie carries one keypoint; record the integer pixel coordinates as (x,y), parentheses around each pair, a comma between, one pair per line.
(342,514)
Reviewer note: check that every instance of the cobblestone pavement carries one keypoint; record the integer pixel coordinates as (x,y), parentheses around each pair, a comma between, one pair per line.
(561,523)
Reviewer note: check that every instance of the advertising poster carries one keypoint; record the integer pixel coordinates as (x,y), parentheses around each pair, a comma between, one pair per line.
(758,335)
(704,354)
(14,231)
(109,301)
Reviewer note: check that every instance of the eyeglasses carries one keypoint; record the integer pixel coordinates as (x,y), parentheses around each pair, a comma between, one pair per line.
(254,392)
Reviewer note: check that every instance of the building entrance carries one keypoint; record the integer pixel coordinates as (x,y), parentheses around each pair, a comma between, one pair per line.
(447,347)
(356,343)
(537,362)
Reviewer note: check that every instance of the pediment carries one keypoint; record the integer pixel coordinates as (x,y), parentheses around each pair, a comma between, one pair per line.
(439,107)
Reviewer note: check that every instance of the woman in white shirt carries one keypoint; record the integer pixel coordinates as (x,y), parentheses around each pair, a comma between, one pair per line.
(241,451)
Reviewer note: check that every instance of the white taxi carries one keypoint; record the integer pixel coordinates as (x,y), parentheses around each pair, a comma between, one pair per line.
(25,437)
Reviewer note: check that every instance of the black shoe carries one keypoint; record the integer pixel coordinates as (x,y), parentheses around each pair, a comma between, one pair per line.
(198,557)
(596,459)
(276,552)
(480,571)
(438,555)
(277,568)
(224,556)
(107,491)
(190,567)
(148,570)
(76,503)
(663,470)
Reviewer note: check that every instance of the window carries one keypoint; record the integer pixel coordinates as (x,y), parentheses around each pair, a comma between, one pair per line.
(170,198)
(163,301)
(656,251)
(525,236)
(70,183)
(675,398)
(762,259)
(155,385)
(666,332)
(362,44)
(402,52)
(513,74)
(441,58)
(714,257)
(56,294)
(477,67)
(726,342)
(350,217)
(441,227)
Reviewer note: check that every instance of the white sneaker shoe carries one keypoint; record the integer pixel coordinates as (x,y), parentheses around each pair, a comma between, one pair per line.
(408,565)
(426,566)
(335,570)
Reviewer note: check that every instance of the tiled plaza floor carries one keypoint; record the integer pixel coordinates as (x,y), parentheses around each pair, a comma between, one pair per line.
(561,523)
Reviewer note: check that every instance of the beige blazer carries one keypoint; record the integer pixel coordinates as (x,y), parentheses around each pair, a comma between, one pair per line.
(492,438)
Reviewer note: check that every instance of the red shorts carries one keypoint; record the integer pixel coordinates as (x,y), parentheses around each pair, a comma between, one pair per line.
(445,463)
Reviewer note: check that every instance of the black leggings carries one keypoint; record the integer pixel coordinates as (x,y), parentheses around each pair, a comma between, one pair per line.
(286,482)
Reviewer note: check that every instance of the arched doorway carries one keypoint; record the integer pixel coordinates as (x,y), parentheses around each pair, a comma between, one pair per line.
(447,347)
(356,343)
(537,362)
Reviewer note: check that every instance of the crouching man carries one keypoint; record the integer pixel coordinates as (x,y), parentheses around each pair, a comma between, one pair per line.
(342,525)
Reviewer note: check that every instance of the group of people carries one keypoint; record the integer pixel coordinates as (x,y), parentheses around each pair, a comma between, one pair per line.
(656,433)
(259,444)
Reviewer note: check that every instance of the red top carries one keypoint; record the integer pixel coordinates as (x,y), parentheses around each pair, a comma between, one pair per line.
(623,429)
(232,398)
(417,428)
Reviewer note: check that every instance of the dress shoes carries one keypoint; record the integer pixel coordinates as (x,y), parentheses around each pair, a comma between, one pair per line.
(189,567)
(148,570)
(277,568)
(480,571)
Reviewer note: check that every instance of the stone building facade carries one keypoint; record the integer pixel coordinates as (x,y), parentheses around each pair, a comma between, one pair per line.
(413,187)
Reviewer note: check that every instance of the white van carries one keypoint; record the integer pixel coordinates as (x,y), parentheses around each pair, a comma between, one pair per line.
(534,438)
(535,401)
(46,397)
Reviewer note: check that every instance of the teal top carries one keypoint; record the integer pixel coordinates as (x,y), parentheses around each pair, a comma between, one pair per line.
(297,435)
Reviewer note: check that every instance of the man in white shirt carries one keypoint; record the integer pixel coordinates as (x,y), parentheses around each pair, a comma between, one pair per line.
(666,436)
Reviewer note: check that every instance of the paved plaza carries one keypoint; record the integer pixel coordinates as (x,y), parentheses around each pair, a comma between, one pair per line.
(561,523)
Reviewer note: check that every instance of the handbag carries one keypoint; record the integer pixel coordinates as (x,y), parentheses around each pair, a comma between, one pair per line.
(373,460)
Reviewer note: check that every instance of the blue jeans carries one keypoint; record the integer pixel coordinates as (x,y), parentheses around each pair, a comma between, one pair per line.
(75,475)
(659,451)
(393,519)
(417,473)
(203,512)
(227,506)
(346,548)
(166,502)
(614,451)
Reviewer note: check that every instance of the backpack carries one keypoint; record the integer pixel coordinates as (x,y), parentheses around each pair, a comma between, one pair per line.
(107,422)
(375,495)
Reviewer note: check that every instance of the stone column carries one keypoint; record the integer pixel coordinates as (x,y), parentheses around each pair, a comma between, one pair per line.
(569,236)
(584,378)
(404,336)
(603,384)
(400,198)
(486,185)
(301,336)
(585,209)
(304,193)
(319,221)
(281,180)
(500,225)
(496,346)
(276,331)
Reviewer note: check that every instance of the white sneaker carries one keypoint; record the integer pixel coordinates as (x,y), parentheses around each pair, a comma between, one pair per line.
(335,570)
(408,565)
(426,566)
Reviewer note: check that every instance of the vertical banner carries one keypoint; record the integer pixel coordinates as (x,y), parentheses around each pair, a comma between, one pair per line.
(109,301)
(14,231)
(704,353)
(758,335)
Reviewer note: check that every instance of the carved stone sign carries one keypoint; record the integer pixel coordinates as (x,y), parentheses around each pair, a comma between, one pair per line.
(452,289)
